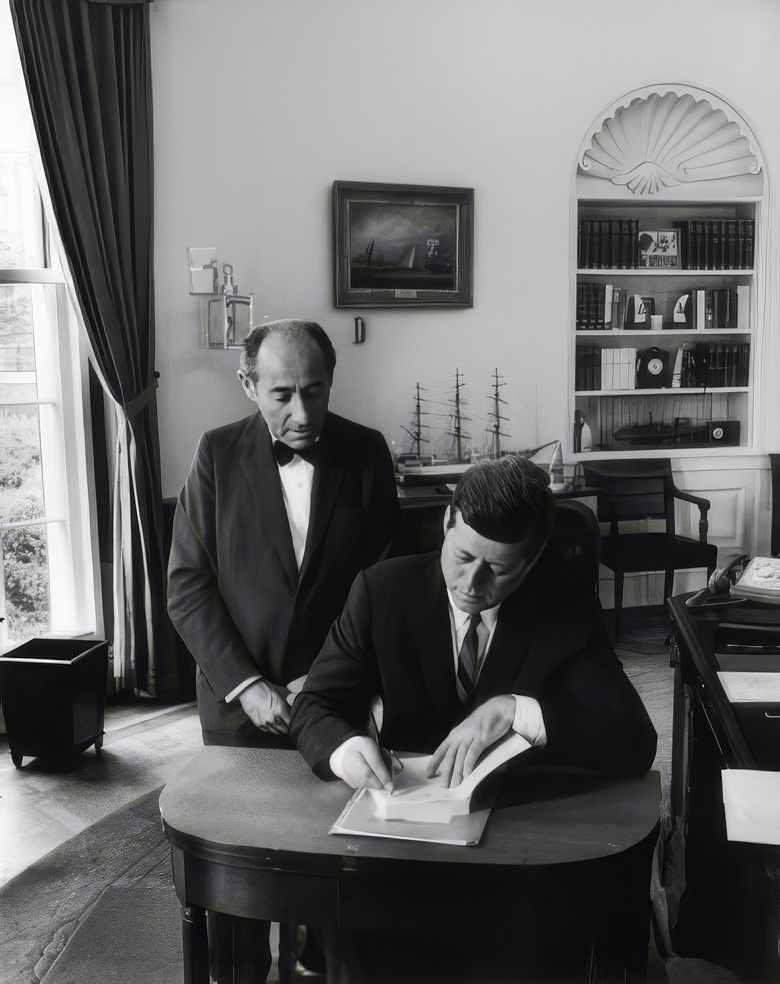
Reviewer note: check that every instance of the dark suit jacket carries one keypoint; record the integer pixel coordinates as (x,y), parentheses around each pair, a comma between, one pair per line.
(234,590)
(394,639)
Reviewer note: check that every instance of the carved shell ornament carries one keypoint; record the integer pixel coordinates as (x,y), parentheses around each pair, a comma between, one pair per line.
(667,140)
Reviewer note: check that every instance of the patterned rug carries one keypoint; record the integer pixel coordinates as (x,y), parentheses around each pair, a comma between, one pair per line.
(101,908)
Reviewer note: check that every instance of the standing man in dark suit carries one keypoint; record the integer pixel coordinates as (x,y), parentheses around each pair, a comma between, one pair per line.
(278,514)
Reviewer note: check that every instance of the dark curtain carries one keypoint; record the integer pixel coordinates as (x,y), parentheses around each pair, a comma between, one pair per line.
(87,67)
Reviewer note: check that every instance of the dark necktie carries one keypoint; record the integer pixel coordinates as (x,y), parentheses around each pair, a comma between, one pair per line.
(284,453)
(467,657)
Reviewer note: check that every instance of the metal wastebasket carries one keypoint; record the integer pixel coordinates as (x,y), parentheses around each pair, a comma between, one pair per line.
(54,696)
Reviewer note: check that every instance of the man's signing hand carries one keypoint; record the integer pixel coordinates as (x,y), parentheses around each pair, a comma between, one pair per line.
(363,764)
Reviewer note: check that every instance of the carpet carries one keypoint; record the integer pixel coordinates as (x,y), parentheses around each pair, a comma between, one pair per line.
(69,894)
(101,908)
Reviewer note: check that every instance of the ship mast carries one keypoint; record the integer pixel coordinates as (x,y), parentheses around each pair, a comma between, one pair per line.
(496,415)
(415,432)
(458,418)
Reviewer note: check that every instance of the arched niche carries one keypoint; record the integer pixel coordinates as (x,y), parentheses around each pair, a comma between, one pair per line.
(670,141)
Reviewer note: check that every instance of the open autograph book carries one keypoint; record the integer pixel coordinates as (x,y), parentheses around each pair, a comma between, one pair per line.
(419,808)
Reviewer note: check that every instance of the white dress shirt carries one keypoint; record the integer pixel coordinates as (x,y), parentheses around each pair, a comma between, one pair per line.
(297,478)
(528,721)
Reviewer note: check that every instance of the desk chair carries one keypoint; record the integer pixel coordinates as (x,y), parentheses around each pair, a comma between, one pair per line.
(575,542)
(421,527)
(774,463)
(632,490)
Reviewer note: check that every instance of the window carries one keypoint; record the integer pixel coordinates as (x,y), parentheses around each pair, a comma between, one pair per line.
(47,583)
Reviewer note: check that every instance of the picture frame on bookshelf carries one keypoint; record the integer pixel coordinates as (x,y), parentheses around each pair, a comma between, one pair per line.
(659,248)
(402,245)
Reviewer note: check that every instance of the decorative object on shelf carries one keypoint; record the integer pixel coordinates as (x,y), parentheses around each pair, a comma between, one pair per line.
(583,439)
(639,310)
(652,368)
(681,314)
(723,432)
(658,248)
(661,139)
(401,245)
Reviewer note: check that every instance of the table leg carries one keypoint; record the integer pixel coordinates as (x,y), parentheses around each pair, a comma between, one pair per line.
(341,958)
(195,947)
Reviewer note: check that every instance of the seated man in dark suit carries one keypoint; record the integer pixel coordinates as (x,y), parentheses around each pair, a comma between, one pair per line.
(543,665)
(462,647)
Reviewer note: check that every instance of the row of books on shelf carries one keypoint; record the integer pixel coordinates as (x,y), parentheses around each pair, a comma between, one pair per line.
(604,307)
(695,365)
(691,244)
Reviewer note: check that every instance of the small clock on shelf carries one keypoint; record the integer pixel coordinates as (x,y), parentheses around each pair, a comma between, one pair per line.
(652,369)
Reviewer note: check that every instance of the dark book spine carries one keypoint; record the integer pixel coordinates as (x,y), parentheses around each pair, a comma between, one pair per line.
(750,231)
(700,246)
(604,256)
(625,244)
(584,260)
(731,244)
(614,243)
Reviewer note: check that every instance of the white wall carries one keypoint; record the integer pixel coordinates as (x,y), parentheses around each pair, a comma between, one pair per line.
(261,104)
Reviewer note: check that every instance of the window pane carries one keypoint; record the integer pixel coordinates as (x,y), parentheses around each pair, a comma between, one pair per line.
(21,479)
(21,219)
(26,575)
(17,347)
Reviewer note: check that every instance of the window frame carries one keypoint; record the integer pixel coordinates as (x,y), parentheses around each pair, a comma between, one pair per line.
(61,368)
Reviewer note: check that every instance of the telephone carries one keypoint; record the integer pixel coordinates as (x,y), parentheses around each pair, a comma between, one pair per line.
(716,594)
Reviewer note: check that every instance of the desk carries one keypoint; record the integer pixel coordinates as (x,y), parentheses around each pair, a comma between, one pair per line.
(248,830)
(437,491)
(730,911)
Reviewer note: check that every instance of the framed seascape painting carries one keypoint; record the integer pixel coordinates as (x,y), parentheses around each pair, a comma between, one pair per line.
(402,245)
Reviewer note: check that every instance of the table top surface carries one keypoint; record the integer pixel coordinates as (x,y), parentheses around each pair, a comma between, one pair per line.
(255,801)
(439,491)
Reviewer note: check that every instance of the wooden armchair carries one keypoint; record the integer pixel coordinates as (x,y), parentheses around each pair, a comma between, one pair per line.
(632,490)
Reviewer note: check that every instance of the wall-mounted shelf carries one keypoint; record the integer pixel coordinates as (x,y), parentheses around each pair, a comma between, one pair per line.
(669,190)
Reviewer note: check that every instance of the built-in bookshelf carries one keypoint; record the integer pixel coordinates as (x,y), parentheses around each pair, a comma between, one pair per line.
(664,288)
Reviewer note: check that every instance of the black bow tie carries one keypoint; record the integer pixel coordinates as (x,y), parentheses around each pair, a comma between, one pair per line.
(284,453)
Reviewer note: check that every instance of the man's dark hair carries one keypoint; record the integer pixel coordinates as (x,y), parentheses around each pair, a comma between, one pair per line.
(504,499)
(290,328)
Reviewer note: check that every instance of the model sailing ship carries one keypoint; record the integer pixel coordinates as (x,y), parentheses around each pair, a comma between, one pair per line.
(455,452)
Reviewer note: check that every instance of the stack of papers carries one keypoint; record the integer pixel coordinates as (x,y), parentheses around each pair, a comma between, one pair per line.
(751,799)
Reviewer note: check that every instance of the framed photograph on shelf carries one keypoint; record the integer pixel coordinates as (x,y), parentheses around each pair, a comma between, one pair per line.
(658,248)
(400,245)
